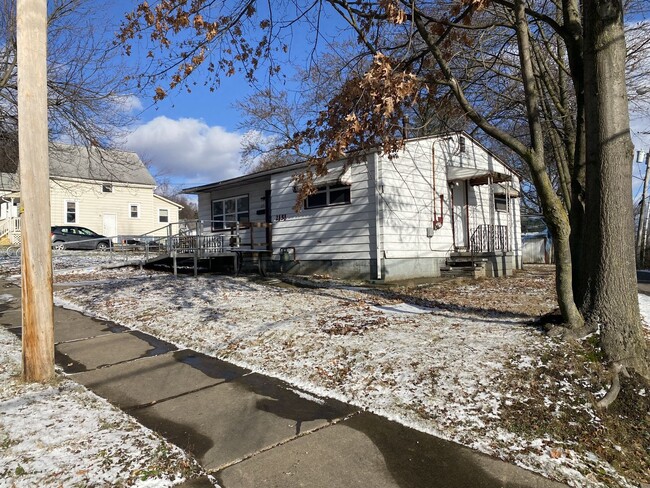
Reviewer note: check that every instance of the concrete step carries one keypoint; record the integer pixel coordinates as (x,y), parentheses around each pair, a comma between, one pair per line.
(470,271)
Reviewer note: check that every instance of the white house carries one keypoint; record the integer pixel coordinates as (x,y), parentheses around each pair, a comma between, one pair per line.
(110,192)
(444,199)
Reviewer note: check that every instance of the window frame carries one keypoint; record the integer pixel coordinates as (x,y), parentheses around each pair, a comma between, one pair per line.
(500,203)
(75,221)
(220,223)
(327,190)
(137,206)
(160,211)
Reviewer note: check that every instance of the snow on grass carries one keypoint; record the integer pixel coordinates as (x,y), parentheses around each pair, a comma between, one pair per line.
(61,434)
(440,371)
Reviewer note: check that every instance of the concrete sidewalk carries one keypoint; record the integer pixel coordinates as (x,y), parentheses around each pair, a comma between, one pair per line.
(250,430)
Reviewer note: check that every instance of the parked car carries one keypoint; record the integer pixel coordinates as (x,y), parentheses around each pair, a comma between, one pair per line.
(73,237)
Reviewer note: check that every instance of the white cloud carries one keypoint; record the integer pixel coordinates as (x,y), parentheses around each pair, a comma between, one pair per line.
(128,103)
(187,150)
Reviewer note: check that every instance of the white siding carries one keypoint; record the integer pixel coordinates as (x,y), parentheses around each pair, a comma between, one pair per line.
(393,216)
(410,201)
(326,233)
(480,201)
(411,197)
(172,212)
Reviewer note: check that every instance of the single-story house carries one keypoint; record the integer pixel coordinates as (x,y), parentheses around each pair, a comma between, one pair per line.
(442,199)
(110,192)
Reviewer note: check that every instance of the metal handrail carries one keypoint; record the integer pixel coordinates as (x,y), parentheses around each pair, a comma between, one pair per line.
(489,238)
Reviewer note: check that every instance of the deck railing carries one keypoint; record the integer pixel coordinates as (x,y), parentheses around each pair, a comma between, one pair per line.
(490,238)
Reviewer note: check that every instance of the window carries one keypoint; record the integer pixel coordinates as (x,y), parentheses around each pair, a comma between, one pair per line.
(71,212)
(107,188)
(500,203)
(134,211)
(228,211)
(163,215)
(329,195)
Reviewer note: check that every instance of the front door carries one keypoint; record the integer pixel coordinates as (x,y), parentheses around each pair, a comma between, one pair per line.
(459,195)
(110,226)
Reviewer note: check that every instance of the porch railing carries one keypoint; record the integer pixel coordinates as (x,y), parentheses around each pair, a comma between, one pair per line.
(11,227)
(490,238)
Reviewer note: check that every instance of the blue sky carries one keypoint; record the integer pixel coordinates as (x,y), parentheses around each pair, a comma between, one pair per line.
(194,138)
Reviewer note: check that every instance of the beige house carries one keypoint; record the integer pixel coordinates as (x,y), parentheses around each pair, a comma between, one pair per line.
(110,192)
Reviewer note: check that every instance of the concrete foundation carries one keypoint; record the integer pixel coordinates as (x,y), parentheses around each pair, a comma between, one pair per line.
(395,269)
(500,264)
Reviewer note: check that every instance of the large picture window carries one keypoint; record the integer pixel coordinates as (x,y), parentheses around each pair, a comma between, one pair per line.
(329,195)
(228,211)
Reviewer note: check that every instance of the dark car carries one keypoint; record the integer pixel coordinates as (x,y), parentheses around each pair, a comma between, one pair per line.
(73,237)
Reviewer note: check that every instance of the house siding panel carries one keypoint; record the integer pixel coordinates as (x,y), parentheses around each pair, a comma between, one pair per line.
(328,233)
(93,204)
(410,203)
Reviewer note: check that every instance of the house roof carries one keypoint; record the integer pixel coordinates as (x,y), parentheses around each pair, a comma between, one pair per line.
(8,182)
(98,164)
(95,164)
(261,175)
(167,200)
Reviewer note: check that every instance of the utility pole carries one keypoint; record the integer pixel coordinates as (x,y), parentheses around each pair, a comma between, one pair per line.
(642,157)
(36,266)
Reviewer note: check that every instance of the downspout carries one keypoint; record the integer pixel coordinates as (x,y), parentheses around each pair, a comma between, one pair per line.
(379,248)
(437,220)
(508,218)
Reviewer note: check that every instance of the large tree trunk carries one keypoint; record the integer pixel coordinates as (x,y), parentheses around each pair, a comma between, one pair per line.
(609,226)
(573,40)
(552,207)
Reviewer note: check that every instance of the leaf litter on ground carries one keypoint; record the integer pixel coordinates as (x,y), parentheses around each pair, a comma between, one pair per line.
(464,360)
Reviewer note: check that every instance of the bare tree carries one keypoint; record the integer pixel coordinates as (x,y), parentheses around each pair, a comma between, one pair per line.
(518,70)
(89,91)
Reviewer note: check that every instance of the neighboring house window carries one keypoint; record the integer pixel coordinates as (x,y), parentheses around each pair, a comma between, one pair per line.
(329,195)
(107,188)
(134,211)
(228,211)
(71,212)
(163,215)
(500,203)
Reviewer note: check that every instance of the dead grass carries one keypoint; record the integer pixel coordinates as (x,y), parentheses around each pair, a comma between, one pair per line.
(530,292)
(557,398)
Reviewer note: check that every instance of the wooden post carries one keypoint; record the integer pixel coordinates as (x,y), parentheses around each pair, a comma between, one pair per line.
(36,267)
